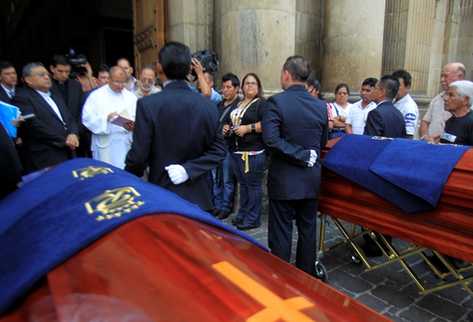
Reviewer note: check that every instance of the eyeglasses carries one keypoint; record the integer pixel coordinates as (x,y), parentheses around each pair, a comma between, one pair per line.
(251,83)
(40,74)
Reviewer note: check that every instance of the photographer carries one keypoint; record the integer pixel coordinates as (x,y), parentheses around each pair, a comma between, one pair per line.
(203,64)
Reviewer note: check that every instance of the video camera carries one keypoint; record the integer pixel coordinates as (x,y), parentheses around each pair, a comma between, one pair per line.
(77,62)
(208,59)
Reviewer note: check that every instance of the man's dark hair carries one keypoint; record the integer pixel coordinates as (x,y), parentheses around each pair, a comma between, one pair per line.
(5,64)
(342,85)
(298,67)
(404,75)
(390,86)
(175,59)
(59,60)
(103,68)
(231,77)
(370,81)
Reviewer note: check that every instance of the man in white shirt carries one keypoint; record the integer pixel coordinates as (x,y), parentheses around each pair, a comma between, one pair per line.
(433,123)
(358,113)
(405,104)
(110,142)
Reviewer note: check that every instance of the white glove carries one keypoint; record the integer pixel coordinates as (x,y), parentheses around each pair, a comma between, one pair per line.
(177,173)
(312,159)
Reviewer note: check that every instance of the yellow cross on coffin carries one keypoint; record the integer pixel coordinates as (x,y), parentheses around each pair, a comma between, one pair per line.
(276,308)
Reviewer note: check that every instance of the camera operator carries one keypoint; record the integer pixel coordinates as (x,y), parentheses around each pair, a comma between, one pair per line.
(205,82)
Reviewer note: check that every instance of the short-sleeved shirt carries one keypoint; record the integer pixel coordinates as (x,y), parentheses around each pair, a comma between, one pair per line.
(436,115)
(409,110)
(357,116)
(459,130)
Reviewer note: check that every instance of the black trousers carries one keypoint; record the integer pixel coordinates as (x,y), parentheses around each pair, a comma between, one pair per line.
(281,214)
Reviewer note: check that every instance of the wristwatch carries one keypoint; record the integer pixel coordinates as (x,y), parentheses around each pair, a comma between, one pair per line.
(253,127)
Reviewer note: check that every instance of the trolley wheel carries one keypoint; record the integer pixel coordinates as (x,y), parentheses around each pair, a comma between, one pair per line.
(320,271)
(355,259)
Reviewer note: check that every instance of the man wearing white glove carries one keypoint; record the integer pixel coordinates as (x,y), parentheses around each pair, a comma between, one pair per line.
(295,127)
(176,133)
(177,173)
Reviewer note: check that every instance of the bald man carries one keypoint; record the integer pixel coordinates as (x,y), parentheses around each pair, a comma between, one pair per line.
(110,141)
(433,123)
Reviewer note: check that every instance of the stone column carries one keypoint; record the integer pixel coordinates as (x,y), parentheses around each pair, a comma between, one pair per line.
(465,41)
(353,42)
(257,36)
(409,35)
(190,22)
(309,20)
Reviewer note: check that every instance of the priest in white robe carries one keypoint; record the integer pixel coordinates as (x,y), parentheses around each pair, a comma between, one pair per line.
(110,141)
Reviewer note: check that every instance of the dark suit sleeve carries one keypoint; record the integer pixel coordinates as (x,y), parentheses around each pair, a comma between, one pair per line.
(138,156)
(271,125)
(209,160)
(41,130)
(374,124)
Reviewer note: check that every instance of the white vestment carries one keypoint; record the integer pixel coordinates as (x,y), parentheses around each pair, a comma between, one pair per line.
(110,142)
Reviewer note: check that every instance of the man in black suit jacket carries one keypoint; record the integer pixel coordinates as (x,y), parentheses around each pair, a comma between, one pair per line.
(8,80)
(10,166)
(71,92)
(385,120)
(295,128)
(51,136)
(176,132)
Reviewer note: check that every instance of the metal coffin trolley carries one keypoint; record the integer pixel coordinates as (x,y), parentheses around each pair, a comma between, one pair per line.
(447,230)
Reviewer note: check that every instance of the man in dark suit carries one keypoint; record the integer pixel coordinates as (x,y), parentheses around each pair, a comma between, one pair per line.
(71,92)
(385,120)
(51,136)
(176,132)
(295,128)
(8,80)
(10,166)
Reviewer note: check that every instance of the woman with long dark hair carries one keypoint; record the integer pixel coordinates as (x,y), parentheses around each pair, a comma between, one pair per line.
(248,154)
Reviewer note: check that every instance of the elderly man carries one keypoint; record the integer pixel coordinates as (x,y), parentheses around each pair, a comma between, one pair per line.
(433,123)
(105,114)
(51,135)
(131,82)
(146,83)
(459,101)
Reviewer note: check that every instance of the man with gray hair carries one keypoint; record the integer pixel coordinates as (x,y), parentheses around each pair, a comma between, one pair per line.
(50,136)
(458,101)
(146,84)
(433,123)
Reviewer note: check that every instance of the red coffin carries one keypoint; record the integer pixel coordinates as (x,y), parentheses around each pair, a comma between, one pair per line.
(170,268)
(447,229)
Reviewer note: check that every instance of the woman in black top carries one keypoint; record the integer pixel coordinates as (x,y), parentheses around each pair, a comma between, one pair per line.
(243,130)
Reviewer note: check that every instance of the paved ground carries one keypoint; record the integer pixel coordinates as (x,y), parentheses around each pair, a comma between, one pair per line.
(388,290)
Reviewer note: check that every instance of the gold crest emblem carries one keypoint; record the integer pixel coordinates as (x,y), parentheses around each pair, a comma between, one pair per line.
(114,203)
(89,172)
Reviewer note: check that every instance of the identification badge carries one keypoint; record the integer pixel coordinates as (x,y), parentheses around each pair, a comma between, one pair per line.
(448,137)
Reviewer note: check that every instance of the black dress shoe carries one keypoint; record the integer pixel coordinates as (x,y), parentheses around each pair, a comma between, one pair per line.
(237,221)
(247,227)
(223,214)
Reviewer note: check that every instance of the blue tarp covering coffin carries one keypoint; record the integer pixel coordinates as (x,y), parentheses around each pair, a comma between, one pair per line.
(62,211)
(410,174)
